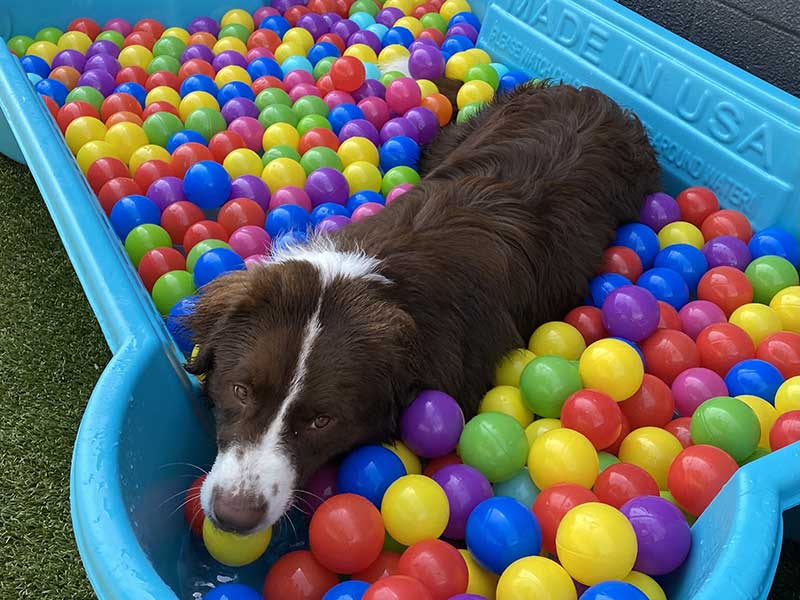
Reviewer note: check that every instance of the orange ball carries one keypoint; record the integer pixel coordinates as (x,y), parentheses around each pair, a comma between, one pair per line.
(439,105)
(124,116)
(67,75)
(298,576)
(202,38)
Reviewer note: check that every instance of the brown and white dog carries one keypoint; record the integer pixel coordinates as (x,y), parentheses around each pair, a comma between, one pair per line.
(320,349)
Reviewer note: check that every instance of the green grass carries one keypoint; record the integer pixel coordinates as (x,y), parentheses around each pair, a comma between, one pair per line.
(51,354)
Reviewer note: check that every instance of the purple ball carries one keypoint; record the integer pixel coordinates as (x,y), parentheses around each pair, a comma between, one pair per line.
(283,5)
(693,387)
(432,424)
(250,186)
(69,58)
(203,24)
(226,58)
(727,251)
(344,28)
(197,51)
(425,121)
(465,488)
(119,25)
(321,486)
(631,312)
(359,128)
(699,314)
(662,533)
(368,38)
(99,79)
(399,126)
(102,47)
(239,107)
(330,19)
(426,62)
(387,16)
(106,62)
(370,87)
(659,209)
(422,43)
(332,223)
(464,29)
(327,185)
(250,240)
(313,23)
(165,191)
(467,597)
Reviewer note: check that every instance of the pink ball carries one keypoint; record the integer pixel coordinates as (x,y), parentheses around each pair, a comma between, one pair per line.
(375,110)
(403,94)
(397,191)
(337,97)
(304,89)
(249,240)
(296,77)
(258,52)
(251,131)
(262,12)
(252,262)
(366,210)
(696,316)
(290,195)
(693,387)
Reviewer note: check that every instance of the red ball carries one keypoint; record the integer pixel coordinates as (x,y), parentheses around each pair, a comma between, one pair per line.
(119,102)
(623,261)
(681,428)
(318,136)
(432,34)
(124,117)
(195,66)
(192,509)
(103,170)
(782,349)
(727,222)
(240,212)
(397,587)
(440,463)
(114,189)
(225,142)
(52,105)
(157,107)
(348,73)
(298,576)
(722,345)
(293,13)
(553,503)
(162,78)
(322,6)
(594,414)
(186,155)
(384,566)
(334,39)
(151,26)
(71,111)
(346,533)
(140,38)
(651,406)
(149,171)
(785,430)
(132,74)
(626,429)
(202,230)
(267,81)
(263,38)
(621,482)
(178,217)
(589,321)
(438,566)
(697,474)
(158,261)
(668,316)
(697,203)
(669,352)
(85,25)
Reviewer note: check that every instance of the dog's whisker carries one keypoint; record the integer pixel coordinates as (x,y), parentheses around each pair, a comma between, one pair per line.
(175,495)
(184,464)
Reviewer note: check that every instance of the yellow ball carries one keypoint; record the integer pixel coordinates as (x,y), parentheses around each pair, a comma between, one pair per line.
(126,138)
(233,549)
(237,16)
(613,367)
(653,449)
(282,172)
(680,232)
(788,396)
(362,52)
(786,305)
(595,542)
(135,56)
(280,134)
(458,65)
(474,91)
(194,100)
(229,43)
(427,87)
(195,352)
(91,151)
(480,581)
(82,130)
(362,175)
(356,149)
(413,24)
(540,427)
(297,36)
(478,56)
(453,7)
(535,577)
(176,32)
(163,93)
(404,5)
(415,508)
(44,50)
(557,338)
(410,460)
(145,153)
(562,456)
(510,367)
(765,413)
(647,585)
(74,40)
(392,53)
(284,51)
(757,320)
(232,73)
(507,399)
(242,161)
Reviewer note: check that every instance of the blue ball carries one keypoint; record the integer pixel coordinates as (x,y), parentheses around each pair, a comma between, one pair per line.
(288,239)
(363,197)
(131,211)
(207,184)
(134,89)
(262,67)
(398,35)
(176,325)
(341,114)
(184,136)
(754,377)
(685,260)
(326,209)
(378,29)
(214,263)
(322,50)
(277,24)
(372,71)
(347,590)
(501,530)
(399,151)
(457,43)
(362,19)
(641,239)
(55,89)
(232,591)
(369,471)
(500,68)
(234,89)
(777,241)
(520,487)
(286,218)
(36,65)
(666,285)
(511,81)
(296,63)
(198,83)
(465,17)
(613,590)
(602,285)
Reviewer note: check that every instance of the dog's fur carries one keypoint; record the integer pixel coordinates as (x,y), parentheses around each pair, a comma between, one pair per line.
(329,342)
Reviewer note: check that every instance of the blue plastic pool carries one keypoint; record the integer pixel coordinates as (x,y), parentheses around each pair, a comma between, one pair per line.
(713,124)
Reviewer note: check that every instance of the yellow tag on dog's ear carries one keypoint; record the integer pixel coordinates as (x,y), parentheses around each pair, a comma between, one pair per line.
(195,352)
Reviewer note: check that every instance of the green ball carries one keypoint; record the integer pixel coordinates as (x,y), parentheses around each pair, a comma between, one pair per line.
(484,73)
(144,238)
(49,34)
(115,37)
(234,30)
(367,6)
(88,94)
(310,122)
(391,544)
(320,156)
(769,275)
(311,105)
(606,460)
(201,248)
(280,151)
(547,382)
(468,111)
(323,66)
(272,96)
(169,46)
(171,288)
(396,176)
(277,113)
(19,44)
(206,121)
(434,20)
(495,444)
(728,424)
(161,126)
(757,453)
(164,63)
(390,76)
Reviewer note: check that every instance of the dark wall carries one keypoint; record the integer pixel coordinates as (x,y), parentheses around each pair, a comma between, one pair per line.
(760,36)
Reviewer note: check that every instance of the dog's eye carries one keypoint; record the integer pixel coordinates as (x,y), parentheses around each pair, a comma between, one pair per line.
(320,422)
(241,392)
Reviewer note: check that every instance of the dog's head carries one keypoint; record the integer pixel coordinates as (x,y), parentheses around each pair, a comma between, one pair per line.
(304,358)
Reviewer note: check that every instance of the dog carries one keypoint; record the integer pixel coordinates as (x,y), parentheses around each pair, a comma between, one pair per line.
(320,349)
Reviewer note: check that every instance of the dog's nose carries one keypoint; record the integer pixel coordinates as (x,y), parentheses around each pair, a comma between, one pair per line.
(238,513)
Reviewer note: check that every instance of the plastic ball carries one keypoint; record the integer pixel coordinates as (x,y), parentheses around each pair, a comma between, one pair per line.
(158,261)
(775,241)
(535,577)
(116,188)
(494,444)
(384,566)
(697,474)
(727,251)
(126,138)
(757,320)
(697,203)
(346,590)
(465,488)
(84,130)
(686,260)
(699,314)
(410,460)
(652,449)
(619,483)
(520,487)
(786,304)
(509,369)
(680,232)
(283,172)
(727,222)
(201,237)
(232,549)
(207,184)
(432,424)
(214,263)
(769,275)
(668,353)
(562,456)
(613,590)
(131,211)
(622,261)
(754,377)
(726,423)
(508,400)
(595,415)
(641,239)
(652,404)
(232,591)
(183,338)
(438,566)
(298,576)
(658,210)
(161,127)
(693,387)
(397,587)
(630,312)
(104,170)
(612,367)
(557,338)
(785,431)
(602,285)
(415,508)
(588,321)
(553,503)
(666,285)
(765,413)
(546,383)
